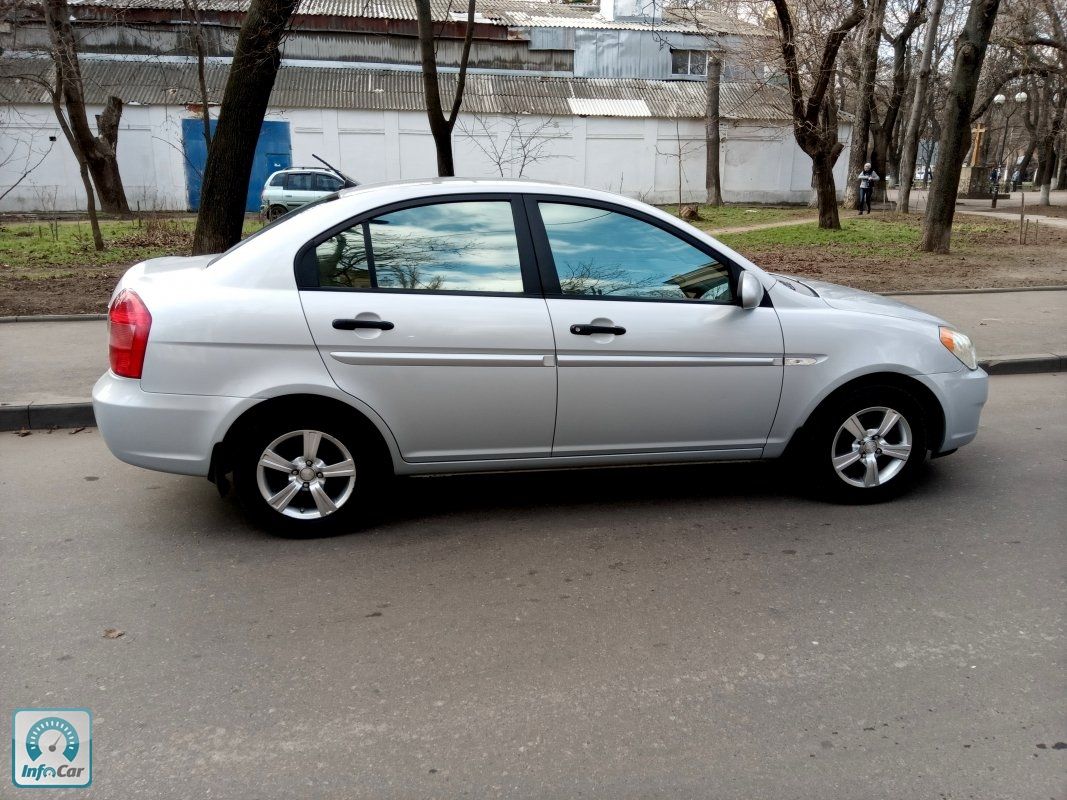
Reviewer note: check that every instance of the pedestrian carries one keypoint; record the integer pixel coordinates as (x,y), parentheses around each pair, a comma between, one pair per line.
(1015,180)
(867,179)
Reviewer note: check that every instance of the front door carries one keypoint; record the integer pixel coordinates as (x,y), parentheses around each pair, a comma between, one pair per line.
(429,314)
(654,352)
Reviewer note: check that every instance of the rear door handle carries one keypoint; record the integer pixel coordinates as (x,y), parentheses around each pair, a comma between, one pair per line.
(352,324)
(589,330)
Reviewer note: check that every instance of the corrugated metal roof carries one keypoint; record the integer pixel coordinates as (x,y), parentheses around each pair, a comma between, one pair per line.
(151,82)
(511,13)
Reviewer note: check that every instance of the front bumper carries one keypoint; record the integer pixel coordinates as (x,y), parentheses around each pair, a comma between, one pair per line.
(962,395)
(165,432)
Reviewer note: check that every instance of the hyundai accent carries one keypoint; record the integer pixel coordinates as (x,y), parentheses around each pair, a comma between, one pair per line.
(446,326)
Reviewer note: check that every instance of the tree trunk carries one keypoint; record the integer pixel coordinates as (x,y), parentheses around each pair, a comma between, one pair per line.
(861,125)
(256,59)
(910,148)
(440,125)
(956,125)
(1061,173)
(822,173)
(1047,163)
(99,152)
(711,124)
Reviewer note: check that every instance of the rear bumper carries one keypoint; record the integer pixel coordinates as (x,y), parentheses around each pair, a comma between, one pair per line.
(165,432)
(962,395)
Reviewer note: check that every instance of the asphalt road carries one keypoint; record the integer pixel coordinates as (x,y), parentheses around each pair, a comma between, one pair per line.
(680,632)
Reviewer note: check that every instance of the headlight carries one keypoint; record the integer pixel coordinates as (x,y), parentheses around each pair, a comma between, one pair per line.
(960,346)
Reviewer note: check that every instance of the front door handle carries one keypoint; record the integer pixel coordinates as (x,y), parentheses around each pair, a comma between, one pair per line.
(589,330)
(352,324)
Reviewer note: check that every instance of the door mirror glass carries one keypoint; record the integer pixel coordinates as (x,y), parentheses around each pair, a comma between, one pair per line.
(751,291)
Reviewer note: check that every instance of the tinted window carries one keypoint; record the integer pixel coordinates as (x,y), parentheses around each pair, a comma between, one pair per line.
(278,180)
(299,182)
(327,183)
(466,246)
(602,253)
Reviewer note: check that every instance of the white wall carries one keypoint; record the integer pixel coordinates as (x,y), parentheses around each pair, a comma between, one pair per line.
(637,157)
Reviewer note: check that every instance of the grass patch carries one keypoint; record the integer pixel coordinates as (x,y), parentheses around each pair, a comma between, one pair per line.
(46,249)
(857,237)
(735,216)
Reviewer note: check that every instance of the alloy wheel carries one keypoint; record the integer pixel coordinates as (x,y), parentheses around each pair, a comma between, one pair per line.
(306,474)
(871,447)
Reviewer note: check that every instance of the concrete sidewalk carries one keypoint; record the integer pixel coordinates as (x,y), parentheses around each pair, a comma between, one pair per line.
(49,367)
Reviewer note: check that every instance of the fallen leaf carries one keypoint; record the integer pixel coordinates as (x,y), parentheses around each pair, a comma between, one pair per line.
(76,430)
(23,432)
(113,633)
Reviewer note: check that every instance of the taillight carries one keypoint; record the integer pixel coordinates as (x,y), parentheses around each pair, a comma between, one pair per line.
(128,324)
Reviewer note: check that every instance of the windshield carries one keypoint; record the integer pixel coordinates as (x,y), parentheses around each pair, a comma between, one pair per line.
(275,223)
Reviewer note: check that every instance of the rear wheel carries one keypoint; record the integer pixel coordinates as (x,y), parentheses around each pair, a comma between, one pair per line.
(309,480)
(867,446)
(275,211)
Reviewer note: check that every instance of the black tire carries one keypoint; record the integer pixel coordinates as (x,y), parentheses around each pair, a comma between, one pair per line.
(354,511)
(276,211)
(827,438)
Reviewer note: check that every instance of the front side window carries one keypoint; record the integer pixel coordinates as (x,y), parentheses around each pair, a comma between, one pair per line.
(460,247)
(327,183)
(602,253)
(689,62)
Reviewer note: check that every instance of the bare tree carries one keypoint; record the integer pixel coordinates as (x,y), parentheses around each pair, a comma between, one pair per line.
(98,152)
(884,127)
(512,143)
(910,148)
(440,125)
(201,67)
(256,58)
(955,139)
(682,150)
(815,116)
(861,122)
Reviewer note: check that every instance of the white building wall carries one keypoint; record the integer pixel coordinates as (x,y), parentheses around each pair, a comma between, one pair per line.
(634,156)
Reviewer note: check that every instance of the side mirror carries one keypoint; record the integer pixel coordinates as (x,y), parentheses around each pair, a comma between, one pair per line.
(751,291)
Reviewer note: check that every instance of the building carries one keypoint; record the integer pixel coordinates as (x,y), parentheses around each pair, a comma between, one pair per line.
(611,96)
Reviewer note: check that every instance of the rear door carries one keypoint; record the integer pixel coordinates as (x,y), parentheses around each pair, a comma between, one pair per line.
(431,313)
(655,354)
(299,189)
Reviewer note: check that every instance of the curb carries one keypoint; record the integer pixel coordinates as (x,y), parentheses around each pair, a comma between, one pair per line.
(56,318)
(46,415)
(80,415)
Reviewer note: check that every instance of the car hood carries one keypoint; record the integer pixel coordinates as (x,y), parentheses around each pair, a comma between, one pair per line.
(848,299)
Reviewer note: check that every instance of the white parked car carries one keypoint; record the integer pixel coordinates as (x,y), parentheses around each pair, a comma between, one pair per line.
(446,326)
(291,188)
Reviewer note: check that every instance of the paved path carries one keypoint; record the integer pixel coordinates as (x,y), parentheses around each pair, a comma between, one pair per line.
(674,633)
(785,223)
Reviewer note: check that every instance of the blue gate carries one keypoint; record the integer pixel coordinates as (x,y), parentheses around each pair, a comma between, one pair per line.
(273,152)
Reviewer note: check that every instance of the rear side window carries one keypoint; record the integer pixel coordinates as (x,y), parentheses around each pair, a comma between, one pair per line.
(278,180)
(602,253)
(459,247)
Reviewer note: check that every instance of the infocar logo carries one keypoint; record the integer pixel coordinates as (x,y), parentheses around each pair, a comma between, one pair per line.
(51,748)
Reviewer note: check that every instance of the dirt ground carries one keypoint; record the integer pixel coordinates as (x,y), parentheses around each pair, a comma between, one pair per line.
(994,260)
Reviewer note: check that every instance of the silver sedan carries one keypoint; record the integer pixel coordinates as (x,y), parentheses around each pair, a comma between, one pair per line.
(455,325)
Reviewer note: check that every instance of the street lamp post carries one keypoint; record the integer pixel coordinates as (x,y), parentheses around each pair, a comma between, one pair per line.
(999,101)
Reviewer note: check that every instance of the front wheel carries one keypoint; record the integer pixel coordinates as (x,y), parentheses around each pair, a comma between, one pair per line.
(305,481)
(867,446)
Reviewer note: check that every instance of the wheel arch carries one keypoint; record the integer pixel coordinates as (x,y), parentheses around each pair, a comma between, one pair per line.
(933,412)
(302,403)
